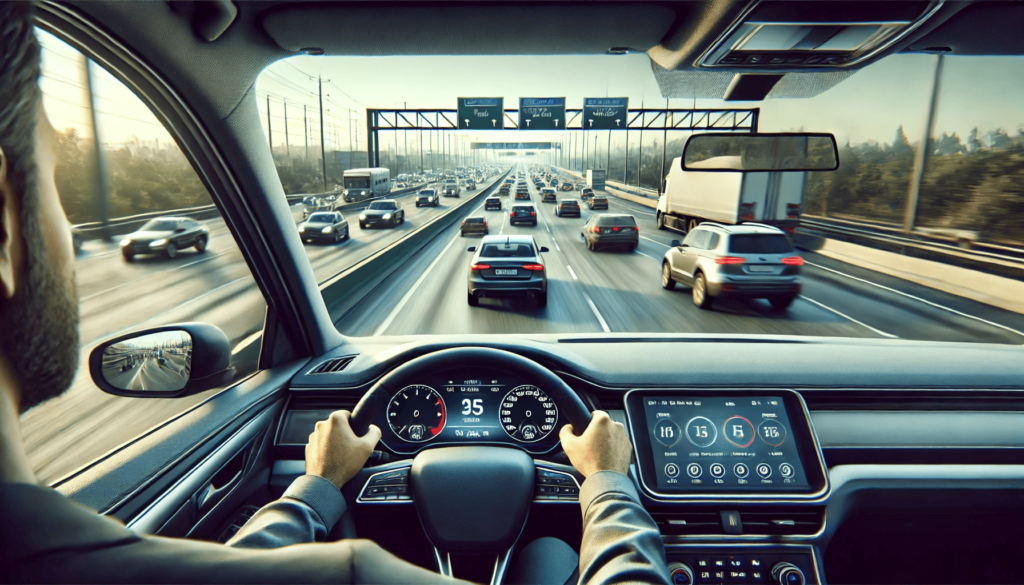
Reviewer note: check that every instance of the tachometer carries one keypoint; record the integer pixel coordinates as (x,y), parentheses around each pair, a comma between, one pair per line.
(416,413)
(527,414)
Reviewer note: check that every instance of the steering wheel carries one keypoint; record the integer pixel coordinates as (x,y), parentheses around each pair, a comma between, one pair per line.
(457,490)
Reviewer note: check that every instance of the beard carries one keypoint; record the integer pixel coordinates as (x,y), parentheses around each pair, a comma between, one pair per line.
(39,327)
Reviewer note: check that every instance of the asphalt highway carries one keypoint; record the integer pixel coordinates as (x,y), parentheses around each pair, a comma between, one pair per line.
(611,291)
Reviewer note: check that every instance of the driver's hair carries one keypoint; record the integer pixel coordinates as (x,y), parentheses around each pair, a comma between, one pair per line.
(19,108)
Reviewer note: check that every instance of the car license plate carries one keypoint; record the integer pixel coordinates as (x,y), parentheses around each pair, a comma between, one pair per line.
(499,272)
(762,268)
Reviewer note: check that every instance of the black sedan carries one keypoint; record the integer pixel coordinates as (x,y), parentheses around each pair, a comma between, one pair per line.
(324,226)
(165,235)
(568,207)
(385,212)
(598,202)
(492,203)
(474,225)
(611,229)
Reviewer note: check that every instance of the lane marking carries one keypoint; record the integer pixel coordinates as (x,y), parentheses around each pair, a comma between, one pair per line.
(153,274)
(555,240)
(655,241)
(408,295)
(597,313)
(574,277)
(845,316)
(247,341)
(642,254)
(919,299)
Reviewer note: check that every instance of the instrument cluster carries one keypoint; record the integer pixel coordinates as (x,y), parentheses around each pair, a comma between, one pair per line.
(470,407)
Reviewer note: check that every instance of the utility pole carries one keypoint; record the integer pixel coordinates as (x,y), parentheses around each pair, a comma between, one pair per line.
(270,131)
(305,130)
(421,143)
(608,153)
(287,146)
(625,163)
(664,145)
(921,156)
(323,153)
(640,160)
(101,185)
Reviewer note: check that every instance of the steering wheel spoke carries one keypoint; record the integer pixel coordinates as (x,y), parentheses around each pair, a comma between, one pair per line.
(501,561)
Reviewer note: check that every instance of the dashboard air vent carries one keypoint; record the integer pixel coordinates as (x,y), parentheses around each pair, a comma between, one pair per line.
(689,522)
(783,522)
(332,365)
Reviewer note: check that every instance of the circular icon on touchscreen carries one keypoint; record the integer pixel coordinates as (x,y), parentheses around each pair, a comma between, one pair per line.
(701,431)
(738,431)
(666,432)
(772,432)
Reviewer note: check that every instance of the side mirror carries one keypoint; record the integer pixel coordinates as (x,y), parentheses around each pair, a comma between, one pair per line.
(471,249)
(163,362)
(676,243)
(179,230)
(543,249)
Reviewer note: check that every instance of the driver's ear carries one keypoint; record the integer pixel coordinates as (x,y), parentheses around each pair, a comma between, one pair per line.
(8,231)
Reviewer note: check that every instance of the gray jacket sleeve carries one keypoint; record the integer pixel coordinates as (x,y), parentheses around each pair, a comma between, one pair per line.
(621,542)
(306,512)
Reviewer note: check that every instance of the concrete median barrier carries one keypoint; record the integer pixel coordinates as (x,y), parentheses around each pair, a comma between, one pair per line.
(344,291)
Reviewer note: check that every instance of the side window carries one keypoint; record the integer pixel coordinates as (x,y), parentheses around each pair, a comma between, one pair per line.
(691,238)
(713,242)
(700,240)
(120,177)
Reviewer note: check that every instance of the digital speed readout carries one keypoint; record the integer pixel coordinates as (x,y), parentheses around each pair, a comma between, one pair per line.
(723,442)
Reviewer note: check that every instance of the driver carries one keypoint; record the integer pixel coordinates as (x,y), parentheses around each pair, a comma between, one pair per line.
(46,537)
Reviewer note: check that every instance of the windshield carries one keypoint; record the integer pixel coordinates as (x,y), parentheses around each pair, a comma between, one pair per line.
(159,225)
(322,218)
(512,250)
(915,215)
(357,183)
(382,205)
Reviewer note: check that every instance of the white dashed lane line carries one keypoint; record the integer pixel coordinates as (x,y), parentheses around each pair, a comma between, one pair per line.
(600,319)
(573,274)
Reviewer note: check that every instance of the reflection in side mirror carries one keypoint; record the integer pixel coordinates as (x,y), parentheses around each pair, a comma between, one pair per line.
(471,249)
(676,243)
(156,361)
(163,362)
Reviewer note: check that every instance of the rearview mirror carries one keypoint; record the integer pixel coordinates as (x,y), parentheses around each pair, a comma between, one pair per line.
(760,152)
(163,362)
(471,249)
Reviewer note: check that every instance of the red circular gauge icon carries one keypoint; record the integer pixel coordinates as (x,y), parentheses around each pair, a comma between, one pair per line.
(738,431)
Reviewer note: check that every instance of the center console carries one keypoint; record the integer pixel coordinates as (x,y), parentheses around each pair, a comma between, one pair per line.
(735,480)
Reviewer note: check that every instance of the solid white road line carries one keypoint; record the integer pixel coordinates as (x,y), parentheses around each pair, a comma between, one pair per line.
(247,341)
(408,295)
(845,316)
(919,299)
(574,277)
(597,314)
(150,276)
(656,242)
(642,254)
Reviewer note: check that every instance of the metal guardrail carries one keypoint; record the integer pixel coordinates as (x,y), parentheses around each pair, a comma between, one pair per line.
(989,254)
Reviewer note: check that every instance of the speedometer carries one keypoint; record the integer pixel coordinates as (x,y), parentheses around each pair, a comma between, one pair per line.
(416,413)
(527,414)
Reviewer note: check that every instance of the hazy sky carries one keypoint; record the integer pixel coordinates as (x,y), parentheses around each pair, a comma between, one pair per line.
(987,92)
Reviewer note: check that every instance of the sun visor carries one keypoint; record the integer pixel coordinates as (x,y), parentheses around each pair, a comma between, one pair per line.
(703,84)
(468,28)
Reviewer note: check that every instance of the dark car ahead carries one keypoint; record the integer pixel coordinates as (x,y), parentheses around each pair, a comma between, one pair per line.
(428,197)
(566,186)
(611,229)
(522,195)
(324,226)
(473,226)
(386,212)
(568,207)
(492,203)
(165,235)
(598,202)
(586,193)
(522,214)
(548,195)
(507,266)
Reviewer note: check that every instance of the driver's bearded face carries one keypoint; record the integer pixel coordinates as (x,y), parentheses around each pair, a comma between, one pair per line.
(39,321)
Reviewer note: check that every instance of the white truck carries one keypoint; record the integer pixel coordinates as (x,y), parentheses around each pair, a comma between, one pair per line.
(731,197)
(596,178)
(360,184)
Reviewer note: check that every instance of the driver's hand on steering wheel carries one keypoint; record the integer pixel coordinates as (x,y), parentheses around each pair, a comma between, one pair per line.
(604,446)
(334,452)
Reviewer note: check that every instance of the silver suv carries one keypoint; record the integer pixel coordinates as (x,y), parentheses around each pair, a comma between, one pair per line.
(748,260)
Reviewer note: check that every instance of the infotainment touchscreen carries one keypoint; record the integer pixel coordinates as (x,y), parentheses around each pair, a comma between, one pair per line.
(727,443)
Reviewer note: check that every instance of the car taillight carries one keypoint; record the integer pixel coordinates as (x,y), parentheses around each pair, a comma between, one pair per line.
(533,267)
(637,228)
(793,261)
(480,267)
(513,214)
(485,224)
(615,229)
(729,260)
(533,213)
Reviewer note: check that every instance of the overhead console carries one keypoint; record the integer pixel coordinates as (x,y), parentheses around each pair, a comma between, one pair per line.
(726,445)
